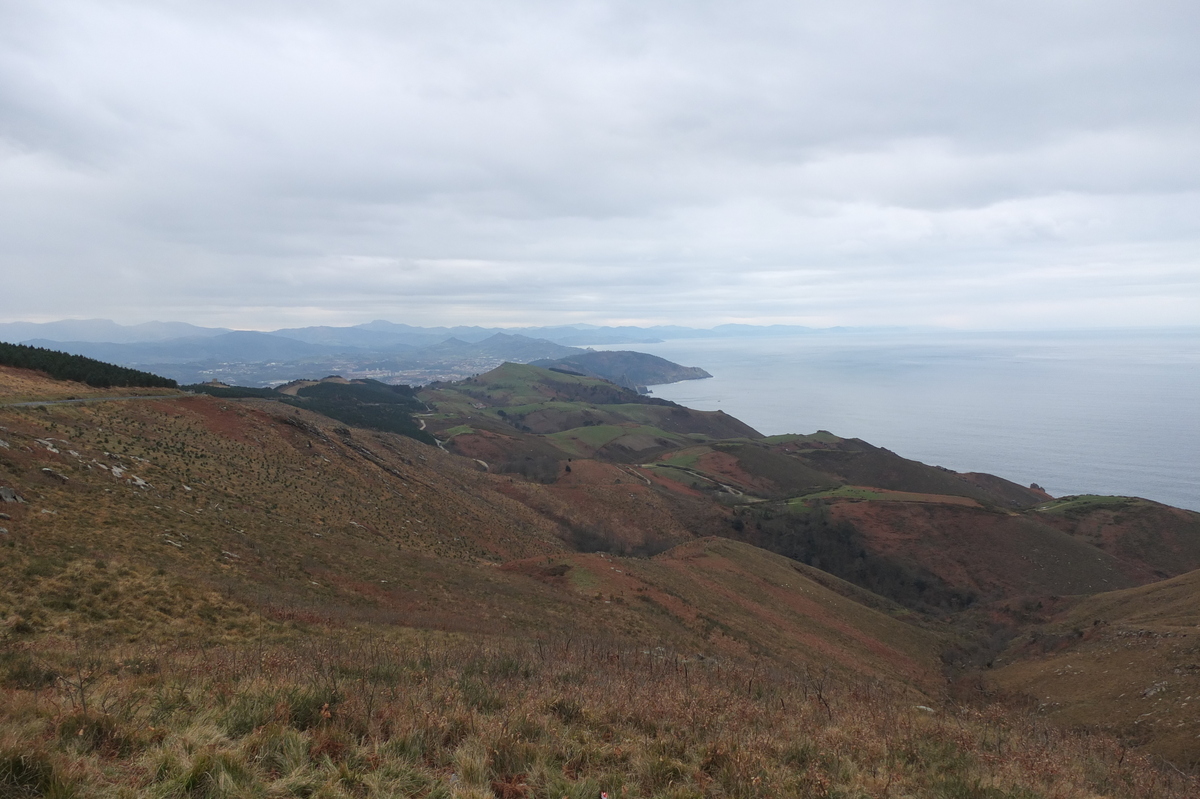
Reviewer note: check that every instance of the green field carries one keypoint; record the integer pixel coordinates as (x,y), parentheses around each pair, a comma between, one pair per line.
(1086,502)
(582,441)
(819,437)
(865,493)
(685,459)
(461,429)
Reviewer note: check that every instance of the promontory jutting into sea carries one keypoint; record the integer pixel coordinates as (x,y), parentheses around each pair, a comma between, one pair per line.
(1077,412)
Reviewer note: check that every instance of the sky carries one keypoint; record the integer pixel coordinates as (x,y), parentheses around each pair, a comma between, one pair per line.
(261,164)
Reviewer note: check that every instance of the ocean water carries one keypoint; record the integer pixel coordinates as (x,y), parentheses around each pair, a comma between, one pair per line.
(1099,412)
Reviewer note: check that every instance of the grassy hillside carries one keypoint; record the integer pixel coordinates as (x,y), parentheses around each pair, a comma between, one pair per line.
(359,403)
(538,400)
(213,597)
(23,385)
(928,537)
(1127,662)
(628,369)
(1151,540)
(398,714)
(288,512)
(859,463)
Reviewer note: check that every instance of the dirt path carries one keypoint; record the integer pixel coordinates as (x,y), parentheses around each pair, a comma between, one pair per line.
(736,492)
(632,473)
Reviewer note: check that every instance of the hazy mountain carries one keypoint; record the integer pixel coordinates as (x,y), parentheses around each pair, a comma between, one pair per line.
(381,332)
(425,336)
(357,337)
(240,346)
(98,330)
(380,335)
(501,345)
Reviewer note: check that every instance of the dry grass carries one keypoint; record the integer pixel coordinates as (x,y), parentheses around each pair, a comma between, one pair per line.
(425,715)
(1127,662)
(301,522)
(231,629)
(23,385)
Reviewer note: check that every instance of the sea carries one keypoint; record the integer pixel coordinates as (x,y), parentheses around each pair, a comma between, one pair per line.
(1080,412)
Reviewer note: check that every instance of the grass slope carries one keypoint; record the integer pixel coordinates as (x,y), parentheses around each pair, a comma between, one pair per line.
(1151,540)
(206,597)
(1126,661)
(295,516)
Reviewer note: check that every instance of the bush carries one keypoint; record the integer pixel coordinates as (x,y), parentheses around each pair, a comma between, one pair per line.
(20,670)
(31,774)
(91,732)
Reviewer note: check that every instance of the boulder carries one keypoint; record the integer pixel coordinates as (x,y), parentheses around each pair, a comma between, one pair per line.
(8,495)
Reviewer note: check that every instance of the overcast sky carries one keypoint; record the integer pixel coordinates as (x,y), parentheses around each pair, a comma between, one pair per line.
(264,164)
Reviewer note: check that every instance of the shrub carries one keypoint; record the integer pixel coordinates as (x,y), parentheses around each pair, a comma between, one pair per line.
(20,670)
(91,732)
(31,774)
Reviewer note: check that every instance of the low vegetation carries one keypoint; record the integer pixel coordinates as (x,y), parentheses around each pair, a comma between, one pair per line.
(221,596)
(344,713)
(1126,662)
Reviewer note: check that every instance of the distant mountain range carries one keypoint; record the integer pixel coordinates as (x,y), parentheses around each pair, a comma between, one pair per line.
(382,351)
(377,335)
(261,359)
(101,330)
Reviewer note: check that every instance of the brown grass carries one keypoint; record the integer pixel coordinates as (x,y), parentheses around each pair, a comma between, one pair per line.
(1127,662)
(389,714)
(245,625)
(23,385)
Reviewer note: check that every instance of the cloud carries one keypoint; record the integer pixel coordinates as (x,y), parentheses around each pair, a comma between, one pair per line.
(259,163)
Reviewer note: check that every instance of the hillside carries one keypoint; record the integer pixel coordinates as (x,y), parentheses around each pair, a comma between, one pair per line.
(578,416)
(211,596)
(627,369)
(63,366)
(289,512)
(629,473)
(1127,662)
(360,403)
(1151,540)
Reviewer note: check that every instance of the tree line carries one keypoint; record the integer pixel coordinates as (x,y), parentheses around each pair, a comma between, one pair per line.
(367,403)
(64,366)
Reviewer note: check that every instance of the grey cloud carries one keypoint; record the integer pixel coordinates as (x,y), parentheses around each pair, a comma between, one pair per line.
(666,162)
